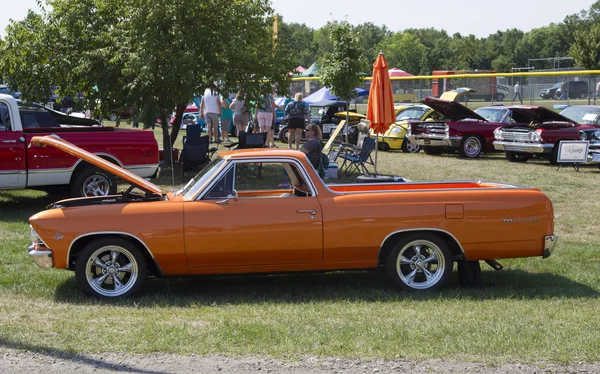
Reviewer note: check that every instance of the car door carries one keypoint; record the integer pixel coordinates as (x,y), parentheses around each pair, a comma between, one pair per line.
(265,224)
(12,165)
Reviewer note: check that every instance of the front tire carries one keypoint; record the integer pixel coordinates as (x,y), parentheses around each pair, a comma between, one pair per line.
(420,261)
(110,268)
(516,157)
(113,116)
(92,181)
(500,97)
(470,147)
(284,134)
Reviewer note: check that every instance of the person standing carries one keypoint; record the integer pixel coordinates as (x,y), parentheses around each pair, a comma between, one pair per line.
(517,92)
(597,89)
(134,116)
(226,118)
(274,125)
(240,113)
(264,110)
(295,112)
(563,90)
(210,110)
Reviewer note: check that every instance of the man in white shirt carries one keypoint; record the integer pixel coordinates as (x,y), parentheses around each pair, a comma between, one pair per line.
(210,109)
(517,92)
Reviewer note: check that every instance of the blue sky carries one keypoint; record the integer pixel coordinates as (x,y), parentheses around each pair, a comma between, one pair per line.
(480,18)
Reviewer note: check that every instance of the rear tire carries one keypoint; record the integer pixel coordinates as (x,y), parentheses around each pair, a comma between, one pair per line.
(516,157)
(284,134)
(420,261)
(92,181)
(500,97)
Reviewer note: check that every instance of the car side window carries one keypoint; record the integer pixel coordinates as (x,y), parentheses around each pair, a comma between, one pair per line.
(5,124)
(223,188)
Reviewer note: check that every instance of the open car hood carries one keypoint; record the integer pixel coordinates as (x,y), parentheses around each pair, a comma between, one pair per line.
(451,109)
(65,146)
(456,93)
(536,114)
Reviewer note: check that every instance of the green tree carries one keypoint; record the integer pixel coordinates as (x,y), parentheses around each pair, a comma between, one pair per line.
(586,48)
(297,40)
(341,68)
(405,51)
(369,36)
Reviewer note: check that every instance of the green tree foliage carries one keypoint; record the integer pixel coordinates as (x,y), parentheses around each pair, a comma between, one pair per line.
(154,54)
(297,40)
(369,36)
(586,48)
(405,51)
(341,68)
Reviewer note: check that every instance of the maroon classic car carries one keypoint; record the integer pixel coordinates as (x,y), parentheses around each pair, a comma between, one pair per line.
(461,130)
(541,136)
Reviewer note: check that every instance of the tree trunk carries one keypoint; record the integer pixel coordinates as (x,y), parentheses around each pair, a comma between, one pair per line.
(177,122)
(167,153)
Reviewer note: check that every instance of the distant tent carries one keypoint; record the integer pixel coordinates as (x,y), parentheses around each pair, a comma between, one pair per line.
(324,94)
(312,71)
(300,68)
(395,72)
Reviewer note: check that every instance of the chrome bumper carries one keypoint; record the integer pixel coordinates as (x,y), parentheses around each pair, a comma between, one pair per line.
(501,145)
(549,244)
(435,141)
(43,259)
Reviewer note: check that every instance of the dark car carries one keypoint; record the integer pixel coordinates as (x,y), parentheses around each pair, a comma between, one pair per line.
(576,90)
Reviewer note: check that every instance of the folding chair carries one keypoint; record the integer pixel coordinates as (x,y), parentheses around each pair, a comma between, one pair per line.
(195,154)
(356,159)
(246,141)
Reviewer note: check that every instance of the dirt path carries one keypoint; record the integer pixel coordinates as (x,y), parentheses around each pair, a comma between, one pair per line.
(12,361)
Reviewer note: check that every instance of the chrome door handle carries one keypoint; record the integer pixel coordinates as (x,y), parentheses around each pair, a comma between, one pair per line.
(9,141)
(311,211)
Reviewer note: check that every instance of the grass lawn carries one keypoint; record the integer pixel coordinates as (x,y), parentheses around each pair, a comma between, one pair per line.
(534,310)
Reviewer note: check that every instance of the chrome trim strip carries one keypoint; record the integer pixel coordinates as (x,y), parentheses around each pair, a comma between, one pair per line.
(113,233)
(264,160)
(501,145)
(421,229)
(502,187)
(21,172)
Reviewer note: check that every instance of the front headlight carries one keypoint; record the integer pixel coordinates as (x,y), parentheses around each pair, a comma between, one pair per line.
(498,134)
(447,131)
(409,131)
(535,136)
(395,130)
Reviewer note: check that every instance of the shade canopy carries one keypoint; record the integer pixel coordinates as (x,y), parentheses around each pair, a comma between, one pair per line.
(380,110)
(324,94)
(395,72)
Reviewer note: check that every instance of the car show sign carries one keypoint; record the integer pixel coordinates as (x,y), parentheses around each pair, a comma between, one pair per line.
(573,151)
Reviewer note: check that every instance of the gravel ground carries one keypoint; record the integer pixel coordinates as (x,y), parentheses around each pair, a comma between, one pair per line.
(13,361)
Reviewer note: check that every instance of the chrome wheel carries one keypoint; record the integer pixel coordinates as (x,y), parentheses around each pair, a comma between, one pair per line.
(411,147)
(471,147)
(111,271)
(96,185)
(420,262)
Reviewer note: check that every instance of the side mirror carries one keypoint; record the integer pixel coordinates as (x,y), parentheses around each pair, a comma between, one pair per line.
(232,196)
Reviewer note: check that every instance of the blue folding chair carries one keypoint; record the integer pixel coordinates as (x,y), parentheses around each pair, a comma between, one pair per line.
(356,159)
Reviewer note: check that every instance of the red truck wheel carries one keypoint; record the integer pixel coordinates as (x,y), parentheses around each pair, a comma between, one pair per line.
(92,181)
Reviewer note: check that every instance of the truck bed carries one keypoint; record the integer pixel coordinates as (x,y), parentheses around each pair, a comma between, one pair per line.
(373,187)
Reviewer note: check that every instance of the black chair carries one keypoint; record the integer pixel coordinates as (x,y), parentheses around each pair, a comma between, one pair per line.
(356,159)
(247,141)
(195,154)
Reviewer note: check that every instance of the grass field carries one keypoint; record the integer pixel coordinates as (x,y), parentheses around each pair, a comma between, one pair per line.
(533,311)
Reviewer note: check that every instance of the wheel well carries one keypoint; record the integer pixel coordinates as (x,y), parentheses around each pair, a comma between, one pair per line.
(83,165)
(390,242)
(78,246)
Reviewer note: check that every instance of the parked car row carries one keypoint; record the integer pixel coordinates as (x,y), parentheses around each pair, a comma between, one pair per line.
(522,132)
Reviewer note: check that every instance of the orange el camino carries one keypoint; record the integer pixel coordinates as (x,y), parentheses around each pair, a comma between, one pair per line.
(267,210)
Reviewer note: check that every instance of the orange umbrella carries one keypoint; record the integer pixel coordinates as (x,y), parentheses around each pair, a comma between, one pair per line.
(380,110)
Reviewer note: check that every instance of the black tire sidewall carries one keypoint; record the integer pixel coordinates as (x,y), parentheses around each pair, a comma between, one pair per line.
(80,275)
(76,186)
(390,263)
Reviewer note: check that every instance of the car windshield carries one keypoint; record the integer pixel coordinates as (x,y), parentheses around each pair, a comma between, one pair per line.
(493,114)
(193,186)
(411,113)
(582,115)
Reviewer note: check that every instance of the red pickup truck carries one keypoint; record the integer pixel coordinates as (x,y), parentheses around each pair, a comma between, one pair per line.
(25,166)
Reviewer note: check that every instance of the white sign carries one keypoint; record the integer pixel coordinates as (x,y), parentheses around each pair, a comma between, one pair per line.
(573,151)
